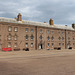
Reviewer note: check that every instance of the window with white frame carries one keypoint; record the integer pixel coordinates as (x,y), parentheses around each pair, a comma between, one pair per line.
(9,29)
(31,44)
(26,44)
(9,44)
(26,29)
(16,29)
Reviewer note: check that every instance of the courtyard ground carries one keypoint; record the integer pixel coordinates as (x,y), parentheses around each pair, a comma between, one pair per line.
(38,62)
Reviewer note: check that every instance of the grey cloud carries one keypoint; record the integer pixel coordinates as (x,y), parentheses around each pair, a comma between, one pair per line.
(61,11)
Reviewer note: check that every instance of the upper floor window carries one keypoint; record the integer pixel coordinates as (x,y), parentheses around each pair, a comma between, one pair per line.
(62,44)
(16,29)
(31,30)
(59,32)
(48,31)
(26,37)
(62,32)
(15,37)
(52,38)
(59,38)
(9,37)
(62,38)
(0,37)
(26,29)
(32,37)
(52,32)
(48,38)
(40,30)
(68,38)
(9,29)
(41,37)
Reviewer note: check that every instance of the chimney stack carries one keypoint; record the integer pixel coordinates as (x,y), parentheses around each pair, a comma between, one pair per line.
(51,22)
(19,17)
(73,25)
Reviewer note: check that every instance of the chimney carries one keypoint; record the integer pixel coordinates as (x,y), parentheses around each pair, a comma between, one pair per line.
(73,25)
(51,22)
(19,17)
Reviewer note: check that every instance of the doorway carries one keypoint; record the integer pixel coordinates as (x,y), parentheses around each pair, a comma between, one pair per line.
(40,46)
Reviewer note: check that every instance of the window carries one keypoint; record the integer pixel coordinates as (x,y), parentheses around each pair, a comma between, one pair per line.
(16,29)
(48,38)
(52,44)
(73,38)
(68,38)
(0,37)
(15,38)
(62,44)
(9,29)
(62,32)
(52,32)
(40,30)
(26,29)
(9,37)
(59,32)
(52,38)
(62,38)
(41,37)
(48,44)
(31,44)
(26,44)
(59,44)
(26,37)
(9,44)
(32,37)
(48,31)
(15,45)
(31,30)
(59,38)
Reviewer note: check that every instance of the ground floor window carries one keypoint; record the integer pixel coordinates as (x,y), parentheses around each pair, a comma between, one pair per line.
(15,45)
(9,44)
(26,44)
(31,44)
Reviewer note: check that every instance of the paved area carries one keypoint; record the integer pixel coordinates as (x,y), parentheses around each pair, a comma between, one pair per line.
(38,62)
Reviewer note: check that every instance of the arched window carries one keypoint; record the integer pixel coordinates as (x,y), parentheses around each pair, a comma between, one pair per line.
(59,38)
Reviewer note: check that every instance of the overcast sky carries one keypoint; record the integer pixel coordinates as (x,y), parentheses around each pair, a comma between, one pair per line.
(61,11)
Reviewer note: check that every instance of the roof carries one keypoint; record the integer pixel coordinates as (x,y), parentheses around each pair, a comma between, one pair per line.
(9,20)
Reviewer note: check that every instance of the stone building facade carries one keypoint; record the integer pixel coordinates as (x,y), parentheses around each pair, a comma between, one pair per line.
(16,33)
